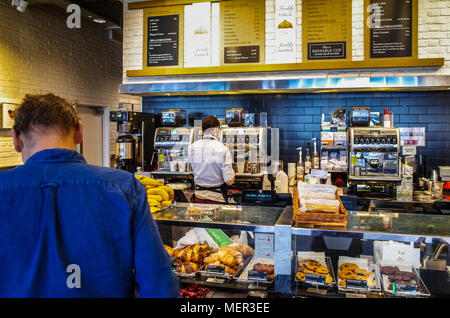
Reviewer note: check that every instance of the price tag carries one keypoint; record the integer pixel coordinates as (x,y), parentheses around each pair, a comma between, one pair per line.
(403,288)
(356,283)
(320,174)
(257,275)
(314,278)
(409,150)
(215,269)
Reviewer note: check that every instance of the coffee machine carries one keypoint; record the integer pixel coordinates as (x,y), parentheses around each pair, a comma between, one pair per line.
(249,147)
(134,145)
(374,159)
(171,143)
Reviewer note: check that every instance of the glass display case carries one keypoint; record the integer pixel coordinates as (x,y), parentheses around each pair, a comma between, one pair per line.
(390,254)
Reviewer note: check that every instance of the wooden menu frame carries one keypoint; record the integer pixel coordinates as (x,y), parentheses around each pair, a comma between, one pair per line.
(392,61)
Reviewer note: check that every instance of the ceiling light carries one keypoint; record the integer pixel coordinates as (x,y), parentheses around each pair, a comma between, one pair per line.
(99,20)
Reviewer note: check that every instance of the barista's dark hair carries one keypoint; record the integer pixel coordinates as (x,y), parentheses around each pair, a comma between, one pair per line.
(43,112)
(210,122)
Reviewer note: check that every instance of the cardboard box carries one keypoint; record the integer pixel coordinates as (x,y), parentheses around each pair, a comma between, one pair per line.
(326,138)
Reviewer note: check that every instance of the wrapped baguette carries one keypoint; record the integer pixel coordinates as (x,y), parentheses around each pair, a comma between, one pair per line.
(321,205)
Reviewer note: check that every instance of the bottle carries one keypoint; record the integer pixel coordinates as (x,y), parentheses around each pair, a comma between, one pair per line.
(315,156)
(281,182)
(387,118)
(307,160)
(266,185)
(300,166)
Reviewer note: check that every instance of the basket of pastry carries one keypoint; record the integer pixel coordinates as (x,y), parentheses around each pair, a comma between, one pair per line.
(258,270)
(402,280)
(356,274)
(227,261)
(318,204)
(314,269)
(188,260)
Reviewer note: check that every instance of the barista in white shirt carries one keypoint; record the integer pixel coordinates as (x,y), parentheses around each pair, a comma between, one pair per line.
(211,164)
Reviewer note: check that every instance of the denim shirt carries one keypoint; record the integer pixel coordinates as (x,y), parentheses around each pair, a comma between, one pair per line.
(69,229)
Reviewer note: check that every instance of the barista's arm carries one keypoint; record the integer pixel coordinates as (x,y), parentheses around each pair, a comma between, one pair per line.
(227,168)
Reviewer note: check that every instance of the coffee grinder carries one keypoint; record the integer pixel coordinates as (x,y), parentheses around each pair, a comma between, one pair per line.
(134,145)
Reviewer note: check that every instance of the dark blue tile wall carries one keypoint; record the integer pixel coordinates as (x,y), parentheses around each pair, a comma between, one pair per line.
(298,116)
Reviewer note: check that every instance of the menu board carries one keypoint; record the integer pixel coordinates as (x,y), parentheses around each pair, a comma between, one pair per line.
(285,31)
(163,37)
(242,25)
(197,34)
(327,30)
(390,24)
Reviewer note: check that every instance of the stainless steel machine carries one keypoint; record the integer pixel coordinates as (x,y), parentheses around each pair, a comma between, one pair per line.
(134,145)
(171,143)
(249,147)
(374,156)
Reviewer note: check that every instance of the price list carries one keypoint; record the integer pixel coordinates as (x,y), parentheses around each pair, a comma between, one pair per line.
(242,30)
(162,40)
(327,29)
(391,28)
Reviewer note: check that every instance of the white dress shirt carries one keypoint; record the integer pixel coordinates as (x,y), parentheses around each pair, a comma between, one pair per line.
(212,166)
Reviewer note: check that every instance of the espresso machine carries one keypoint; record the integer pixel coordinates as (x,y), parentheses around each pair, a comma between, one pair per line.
(171,143)
(248,147)
(134,145)
(374,160)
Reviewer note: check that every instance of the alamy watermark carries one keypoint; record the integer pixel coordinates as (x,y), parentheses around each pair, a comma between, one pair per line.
(74,278)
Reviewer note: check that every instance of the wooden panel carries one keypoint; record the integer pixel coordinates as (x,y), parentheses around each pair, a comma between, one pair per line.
(161,3)
(326,30)
(324,65)
(414,35)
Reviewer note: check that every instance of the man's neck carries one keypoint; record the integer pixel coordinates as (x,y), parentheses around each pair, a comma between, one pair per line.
(46,144)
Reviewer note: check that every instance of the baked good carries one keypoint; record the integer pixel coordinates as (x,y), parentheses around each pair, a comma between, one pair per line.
(353,271)
(347,266)
(244,249)
(268,268)
(169,249)
(187,267)
(311,266)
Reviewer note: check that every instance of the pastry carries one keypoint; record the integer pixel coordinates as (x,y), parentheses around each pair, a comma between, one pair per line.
(300,275)
(343,274)
(169,249)
(268,268)
(347,266)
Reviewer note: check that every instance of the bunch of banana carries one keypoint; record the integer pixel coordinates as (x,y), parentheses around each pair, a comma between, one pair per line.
(158,194)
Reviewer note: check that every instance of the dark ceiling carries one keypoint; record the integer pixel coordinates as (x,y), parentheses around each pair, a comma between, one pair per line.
(109,9)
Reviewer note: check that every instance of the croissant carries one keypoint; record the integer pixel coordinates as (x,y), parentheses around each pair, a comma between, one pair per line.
(244,249)
(211,259)
(187,267)
(169,249)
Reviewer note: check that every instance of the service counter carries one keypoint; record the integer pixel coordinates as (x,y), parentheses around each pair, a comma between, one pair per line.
(356,239)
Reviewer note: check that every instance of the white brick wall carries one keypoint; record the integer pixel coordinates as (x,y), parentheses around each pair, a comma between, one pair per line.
(433,41)
(39,54)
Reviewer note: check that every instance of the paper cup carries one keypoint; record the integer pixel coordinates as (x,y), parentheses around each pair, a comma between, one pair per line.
(182,166)
(173,165)
(240,167)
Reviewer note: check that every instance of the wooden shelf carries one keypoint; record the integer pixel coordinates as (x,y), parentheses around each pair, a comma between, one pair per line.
(323,65)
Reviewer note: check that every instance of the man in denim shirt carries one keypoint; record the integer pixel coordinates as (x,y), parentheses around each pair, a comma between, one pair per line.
(69,229)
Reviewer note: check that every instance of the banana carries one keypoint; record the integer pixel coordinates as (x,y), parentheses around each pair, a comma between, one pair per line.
(166,203)
(155,197)
(154,209)
(157,191)
(147,181)
(169,191)
(154,203)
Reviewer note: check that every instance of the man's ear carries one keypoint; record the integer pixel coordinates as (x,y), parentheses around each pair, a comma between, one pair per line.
(78,138)
(17,141)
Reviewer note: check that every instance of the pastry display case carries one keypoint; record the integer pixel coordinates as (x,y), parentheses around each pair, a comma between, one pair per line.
(376,254)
